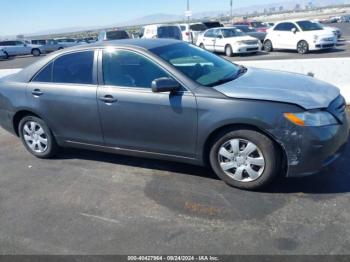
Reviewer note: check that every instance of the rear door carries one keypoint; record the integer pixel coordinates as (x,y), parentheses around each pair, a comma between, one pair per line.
(209,40)
(134,118)
(64,92)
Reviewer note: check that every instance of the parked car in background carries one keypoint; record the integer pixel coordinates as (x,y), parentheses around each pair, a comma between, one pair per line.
(67,42)
(230,41)
(212,24)
(113,35)
(190,32)
(257,25)
(170,100)
(301,35)
(3,55)
(21,47)
(335,30)
(161,31)
(252,32)
(345,19)
(49,45)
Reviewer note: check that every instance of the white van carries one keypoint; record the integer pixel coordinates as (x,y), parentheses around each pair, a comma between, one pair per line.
(161,31)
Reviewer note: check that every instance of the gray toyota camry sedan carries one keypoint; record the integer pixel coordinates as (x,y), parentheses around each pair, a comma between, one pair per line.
(170,100)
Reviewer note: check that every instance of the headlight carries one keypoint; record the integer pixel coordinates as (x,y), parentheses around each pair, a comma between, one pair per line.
(240,43)
(311,118)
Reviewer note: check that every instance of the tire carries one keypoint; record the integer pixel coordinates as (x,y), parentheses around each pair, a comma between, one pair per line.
(34,132)
(36,52)
(6,55)
(247,168)
(60,48)
(202,46)
(228,51)
(268,47)
(302,47)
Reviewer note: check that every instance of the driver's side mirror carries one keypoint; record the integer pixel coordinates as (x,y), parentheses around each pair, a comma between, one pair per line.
(294,30)
(219,37)
(165,84)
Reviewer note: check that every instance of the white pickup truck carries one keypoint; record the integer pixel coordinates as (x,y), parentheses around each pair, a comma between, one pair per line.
(19,47)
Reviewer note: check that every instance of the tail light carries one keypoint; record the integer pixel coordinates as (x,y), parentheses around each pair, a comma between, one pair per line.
(187,33)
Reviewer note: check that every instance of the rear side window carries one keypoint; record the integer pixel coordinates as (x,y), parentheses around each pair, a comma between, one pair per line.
(45,75)
(169,32)
(75,68)
(285,27)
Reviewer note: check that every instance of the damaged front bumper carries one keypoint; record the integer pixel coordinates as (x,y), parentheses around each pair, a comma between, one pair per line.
(309,149)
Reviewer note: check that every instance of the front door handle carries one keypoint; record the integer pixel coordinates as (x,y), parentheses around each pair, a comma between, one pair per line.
(109,99)
(37,92)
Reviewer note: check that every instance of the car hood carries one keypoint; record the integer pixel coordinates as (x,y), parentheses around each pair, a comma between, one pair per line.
(279,86)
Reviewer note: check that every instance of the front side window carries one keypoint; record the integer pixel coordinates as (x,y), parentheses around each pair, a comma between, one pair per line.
(75,68)
(128,69)
(199,65)
(116,35)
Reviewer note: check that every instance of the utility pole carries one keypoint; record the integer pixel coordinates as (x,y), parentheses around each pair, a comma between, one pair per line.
(231,14)
(189,14)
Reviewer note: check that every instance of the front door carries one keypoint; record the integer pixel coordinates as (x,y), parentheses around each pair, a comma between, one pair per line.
(135,118)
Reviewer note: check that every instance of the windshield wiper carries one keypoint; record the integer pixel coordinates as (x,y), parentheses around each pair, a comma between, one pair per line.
(242,70)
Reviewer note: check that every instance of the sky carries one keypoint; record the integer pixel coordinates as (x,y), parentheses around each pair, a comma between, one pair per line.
(30,16)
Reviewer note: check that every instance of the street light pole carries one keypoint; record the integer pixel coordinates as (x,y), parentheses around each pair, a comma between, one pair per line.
(188,20)
(231,14)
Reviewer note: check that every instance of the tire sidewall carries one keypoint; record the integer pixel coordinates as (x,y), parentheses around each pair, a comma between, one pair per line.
(270,46)
(36,52)
(228,51)
(266,147)
(51,145)
(307,49)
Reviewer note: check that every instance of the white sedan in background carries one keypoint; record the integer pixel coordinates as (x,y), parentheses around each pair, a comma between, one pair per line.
(228,40)
(302,36)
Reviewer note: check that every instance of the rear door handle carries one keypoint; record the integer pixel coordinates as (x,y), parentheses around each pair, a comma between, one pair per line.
(37,92)
(108,99)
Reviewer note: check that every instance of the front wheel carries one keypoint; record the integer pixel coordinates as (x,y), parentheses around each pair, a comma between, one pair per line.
(245,159)
(303,47)
(268,46)
(37,137)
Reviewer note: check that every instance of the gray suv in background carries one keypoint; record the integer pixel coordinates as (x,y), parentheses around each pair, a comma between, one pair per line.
(170,100)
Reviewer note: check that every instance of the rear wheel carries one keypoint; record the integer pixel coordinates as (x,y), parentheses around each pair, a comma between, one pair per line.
(303,47)
(268,46)
(245,159)
(37,137)
(228,51)
(36,52)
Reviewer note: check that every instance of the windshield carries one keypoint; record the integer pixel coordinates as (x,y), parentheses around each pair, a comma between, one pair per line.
(210,25)
(116,35)
(258,24)
(199,65)
(231,33)
(245,29)
(169,32)
(309,26)
(198,27)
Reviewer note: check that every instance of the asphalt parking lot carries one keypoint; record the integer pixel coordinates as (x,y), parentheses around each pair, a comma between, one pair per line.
(86,202)
(342,50)
(95,203)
